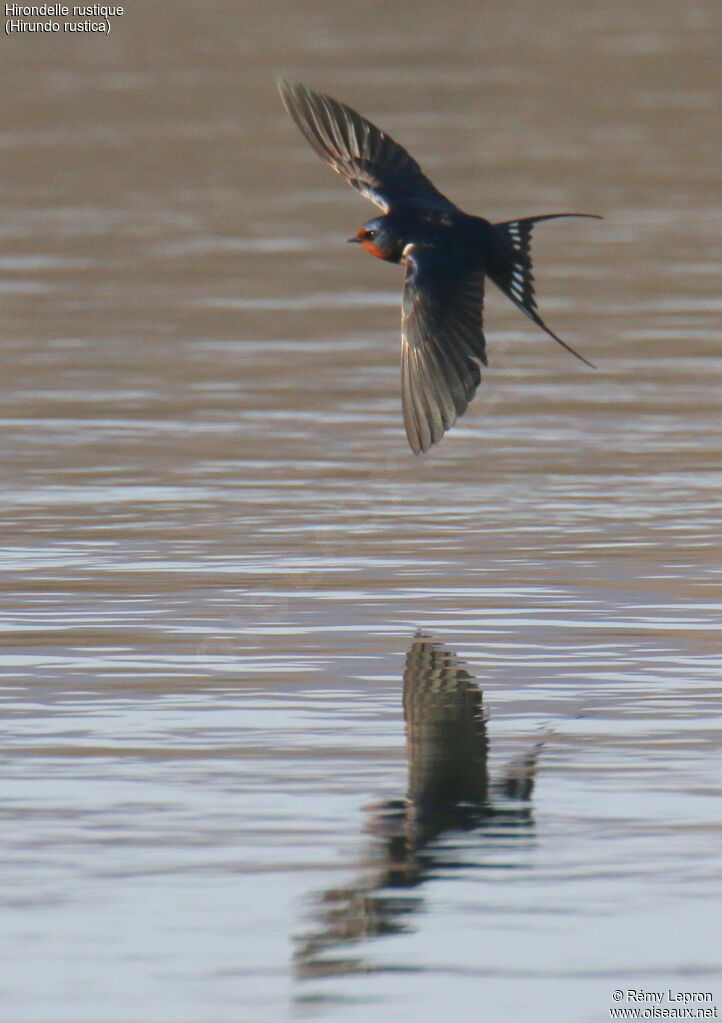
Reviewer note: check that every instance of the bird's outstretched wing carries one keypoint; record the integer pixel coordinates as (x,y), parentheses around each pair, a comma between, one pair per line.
(510,268)
(372,163)
(446,737)
(442,343)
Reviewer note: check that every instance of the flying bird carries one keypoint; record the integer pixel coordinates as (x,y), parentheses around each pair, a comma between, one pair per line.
(447,255)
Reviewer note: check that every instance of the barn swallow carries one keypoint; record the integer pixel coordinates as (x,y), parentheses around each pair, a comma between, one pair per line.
(447,254)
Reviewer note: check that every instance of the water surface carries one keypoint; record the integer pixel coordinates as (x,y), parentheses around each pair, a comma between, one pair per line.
(218,553)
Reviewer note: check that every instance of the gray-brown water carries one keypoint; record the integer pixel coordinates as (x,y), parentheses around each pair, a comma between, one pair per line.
(219,557)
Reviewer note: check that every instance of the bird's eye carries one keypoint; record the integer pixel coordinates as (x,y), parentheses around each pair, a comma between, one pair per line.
(370,235)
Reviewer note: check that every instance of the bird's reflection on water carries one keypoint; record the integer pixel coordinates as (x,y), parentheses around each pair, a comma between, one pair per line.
(449,790)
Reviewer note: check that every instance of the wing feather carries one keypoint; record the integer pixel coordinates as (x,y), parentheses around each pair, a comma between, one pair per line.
(442,345)
(372,163)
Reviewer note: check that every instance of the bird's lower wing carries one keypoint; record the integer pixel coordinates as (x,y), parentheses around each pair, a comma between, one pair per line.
(372,163)
(442,345)
(445,729)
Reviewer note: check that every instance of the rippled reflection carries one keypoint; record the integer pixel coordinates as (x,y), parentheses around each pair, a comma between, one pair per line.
(449,790)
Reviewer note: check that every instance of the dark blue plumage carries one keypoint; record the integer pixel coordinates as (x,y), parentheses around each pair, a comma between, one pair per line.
(447,254)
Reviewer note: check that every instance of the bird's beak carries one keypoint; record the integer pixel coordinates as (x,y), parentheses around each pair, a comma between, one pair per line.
(354,239)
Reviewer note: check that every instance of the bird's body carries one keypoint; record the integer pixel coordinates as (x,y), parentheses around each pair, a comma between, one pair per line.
(447,254)
(457,233)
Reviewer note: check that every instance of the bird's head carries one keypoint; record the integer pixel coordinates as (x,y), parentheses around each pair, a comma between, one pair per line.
(381,239)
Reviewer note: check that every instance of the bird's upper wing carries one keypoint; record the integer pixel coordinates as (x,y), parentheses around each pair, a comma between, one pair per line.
(442,343)
(372,163)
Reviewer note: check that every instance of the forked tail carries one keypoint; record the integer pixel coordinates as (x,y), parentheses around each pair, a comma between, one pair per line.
(510,268)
